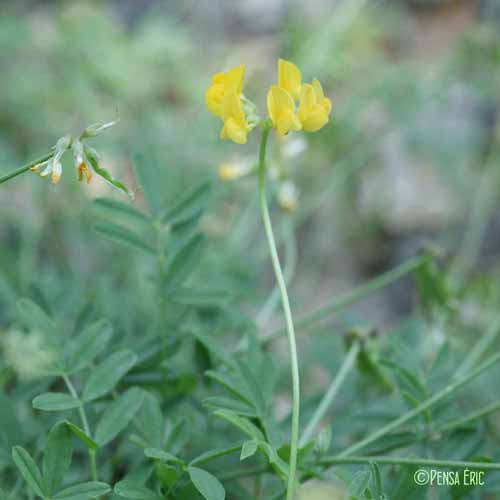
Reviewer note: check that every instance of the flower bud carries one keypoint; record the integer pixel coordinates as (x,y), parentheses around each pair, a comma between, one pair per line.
(96,129)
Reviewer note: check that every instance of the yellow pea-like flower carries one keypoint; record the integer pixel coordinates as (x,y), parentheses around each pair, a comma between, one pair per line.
(222,85)
(314,108)
(281,109)
(235,127)
(289,78)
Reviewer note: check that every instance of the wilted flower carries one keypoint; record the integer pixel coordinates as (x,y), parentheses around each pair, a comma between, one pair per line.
(81,162)
(86,159)
(53,166)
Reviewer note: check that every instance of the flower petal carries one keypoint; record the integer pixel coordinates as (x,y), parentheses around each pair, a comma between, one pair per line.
(289,78)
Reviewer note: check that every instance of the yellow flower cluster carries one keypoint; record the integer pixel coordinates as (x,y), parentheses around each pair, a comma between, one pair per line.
(225,100)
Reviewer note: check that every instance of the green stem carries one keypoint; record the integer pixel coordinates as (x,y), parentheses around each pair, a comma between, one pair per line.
(290,264)
(25,168)
(354,296)
(250,472)
(471,417)
(16,488)
(479,348)
(215,454)
(329,397)
(448,464)
(294,440)
(432,401)
(85,423)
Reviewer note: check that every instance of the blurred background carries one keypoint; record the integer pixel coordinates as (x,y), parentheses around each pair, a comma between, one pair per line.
(409,161)
(411,155)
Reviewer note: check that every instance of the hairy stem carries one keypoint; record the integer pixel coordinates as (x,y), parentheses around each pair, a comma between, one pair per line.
(448,464)
(471,417)
(294,440)
(479,348)
(85,423)
(353,296)
(25,168)
(425,405)
(332,391)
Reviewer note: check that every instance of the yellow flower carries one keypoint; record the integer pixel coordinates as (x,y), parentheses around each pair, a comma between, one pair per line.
(222,85)
(281,108)
(289,78)
(314,107)
(235,126)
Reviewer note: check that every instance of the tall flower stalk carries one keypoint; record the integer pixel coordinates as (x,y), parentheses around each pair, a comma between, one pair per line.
(292,344)
(292,106)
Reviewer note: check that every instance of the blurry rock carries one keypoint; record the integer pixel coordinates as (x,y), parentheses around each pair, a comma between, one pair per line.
(405,194)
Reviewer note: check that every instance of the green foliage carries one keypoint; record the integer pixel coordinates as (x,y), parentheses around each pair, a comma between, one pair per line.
(132,360)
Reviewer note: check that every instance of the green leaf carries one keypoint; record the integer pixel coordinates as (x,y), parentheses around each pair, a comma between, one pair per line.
(191,296)
(28,469)
(55,401)
(94,161)
(150,179)
(3,495)
(377,480)
(359,482)
(82,436)
(123,236)
(11,431)
(277,463)
(248,449)
(134,489)
(118,415)
(252,388)
(213,347)
(120,209)
(234,385)
(403,485)
(88,345)
(234,405)
(34,317)
(212,455)
(167,474)
(206,484)
(242,423)
(164,456)
(190,206)
(56,456)
(105,377)
(184,261)
(83,491)
(153,423)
